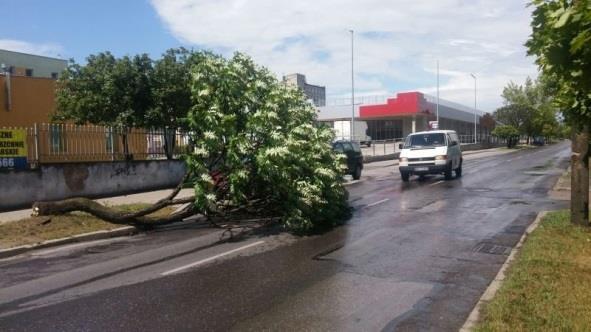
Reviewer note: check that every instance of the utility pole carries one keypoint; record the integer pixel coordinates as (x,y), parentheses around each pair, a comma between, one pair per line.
(438,94)
(352,86)
(474,76)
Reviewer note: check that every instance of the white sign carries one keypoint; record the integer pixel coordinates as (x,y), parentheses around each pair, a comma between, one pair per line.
(433,124)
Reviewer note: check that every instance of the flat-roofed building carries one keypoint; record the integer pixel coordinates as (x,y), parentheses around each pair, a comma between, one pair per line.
(23,64)
(315,93)
(394,117)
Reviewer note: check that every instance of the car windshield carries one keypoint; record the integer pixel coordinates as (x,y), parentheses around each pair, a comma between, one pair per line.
(425,141)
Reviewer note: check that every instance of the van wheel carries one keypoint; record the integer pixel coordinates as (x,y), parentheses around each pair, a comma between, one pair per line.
(405,176)
(357,173)
(447,173)
(459,171)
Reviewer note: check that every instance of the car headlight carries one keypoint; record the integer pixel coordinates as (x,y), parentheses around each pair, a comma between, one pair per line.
(403,160)
(441,158)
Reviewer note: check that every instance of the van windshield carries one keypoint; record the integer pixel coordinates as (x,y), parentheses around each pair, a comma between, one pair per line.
(425,141)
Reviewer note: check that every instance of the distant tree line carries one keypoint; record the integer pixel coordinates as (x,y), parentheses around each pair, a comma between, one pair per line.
(529,111)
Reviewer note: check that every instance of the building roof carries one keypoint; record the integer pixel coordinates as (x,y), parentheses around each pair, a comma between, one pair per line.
(32,55)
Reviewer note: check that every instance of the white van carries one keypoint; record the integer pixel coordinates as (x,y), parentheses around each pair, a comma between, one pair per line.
(431,152)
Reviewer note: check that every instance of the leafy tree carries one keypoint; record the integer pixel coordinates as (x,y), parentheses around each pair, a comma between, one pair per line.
(508,133)
(258,135)
(487,123)
(560,41)
(528,107)
(106,91)
(171,90)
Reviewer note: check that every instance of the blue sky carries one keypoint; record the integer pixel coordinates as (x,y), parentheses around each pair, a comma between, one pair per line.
(398,42)
(82,27)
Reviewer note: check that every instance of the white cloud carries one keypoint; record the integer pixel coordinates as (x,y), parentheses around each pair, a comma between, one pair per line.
(46,49)
(397,41)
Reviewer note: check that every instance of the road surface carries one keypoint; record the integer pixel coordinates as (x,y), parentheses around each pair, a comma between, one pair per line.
(414,256)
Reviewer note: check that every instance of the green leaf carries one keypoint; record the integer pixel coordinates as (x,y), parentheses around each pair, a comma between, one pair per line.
(563,18)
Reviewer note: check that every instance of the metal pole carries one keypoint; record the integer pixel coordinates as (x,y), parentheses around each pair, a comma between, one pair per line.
(438,94)
(352,86)
(36,143)
(474,76)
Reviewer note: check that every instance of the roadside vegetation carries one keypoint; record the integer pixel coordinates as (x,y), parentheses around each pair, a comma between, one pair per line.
(255,153)
(529,113)
(38,229)
(548,286)
(561,34)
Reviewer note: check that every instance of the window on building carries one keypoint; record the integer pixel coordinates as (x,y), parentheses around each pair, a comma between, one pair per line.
(29,72)
(54,76)
(11,69)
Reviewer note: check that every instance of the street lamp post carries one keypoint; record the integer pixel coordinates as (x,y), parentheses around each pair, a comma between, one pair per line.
(438,94)
(474,77)
(352,86)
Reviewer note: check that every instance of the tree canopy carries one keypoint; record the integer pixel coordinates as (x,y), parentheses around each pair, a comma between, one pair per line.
(560,39)
(528,108)
(255,140)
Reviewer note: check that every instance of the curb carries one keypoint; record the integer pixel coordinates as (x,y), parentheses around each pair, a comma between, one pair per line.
(98,235)
(494,286)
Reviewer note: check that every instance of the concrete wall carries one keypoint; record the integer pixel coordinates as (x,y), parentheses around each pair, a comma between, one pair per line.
(58,181)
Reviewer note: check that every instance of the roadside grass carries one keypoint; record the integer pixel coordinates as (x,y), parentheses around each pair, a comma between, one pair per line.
(36,229)
(548,286)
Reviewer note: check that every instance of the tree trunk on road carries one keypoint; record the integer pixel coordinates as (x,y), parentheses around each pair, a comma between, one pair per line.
(137,218)
(111,215)
(579,202)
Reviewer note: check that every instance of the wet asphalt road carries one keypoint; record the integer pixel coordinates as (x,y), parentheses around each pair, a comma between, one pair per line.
(415,256)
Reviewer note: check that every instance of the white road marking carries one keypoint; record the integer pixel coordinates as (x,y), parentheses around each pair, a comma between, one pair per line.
(184,267)
(378,202)
(438,182)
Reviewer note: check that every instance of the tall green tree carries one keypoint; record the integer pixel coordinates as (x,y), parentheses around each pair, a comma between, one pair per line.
(106,91)
(560,39)
(171,90)
(527,107)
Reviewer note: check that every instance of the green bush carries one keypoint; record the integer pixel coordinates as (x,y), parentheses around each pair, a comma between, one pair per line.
(509,133)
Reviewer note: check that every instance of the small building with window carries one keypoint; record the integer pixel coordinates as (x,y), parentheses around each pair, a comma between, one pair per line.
(31,65)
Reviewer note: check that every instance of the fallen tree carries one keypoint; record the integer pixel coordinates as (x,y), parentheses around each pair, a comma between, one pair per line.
(258,156)
(137,218)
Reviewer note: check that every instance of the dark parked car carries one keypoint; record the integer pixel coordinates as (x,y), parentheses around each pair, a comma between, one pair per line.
(354,157)
(539,141)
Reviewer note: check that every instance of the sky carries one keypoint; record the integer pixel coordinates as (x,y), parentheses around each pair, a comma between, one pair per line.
(397,43)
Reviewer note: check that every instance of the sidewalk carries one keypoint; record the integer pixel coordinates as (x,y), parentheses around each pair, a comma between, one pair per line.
(147,198)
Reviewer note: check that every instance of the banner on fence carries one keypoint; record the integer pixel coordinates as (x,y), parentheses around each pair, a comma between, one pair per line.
(13,148)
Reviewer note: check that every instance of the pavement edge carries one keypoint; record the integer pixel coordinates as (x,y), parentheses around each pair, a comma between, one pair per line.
(92,236)
(495,285)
